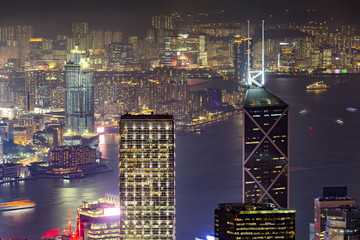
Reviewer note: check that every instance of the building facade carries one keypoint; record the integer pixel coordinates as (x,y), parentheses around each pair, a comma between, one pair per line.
(71,158)
(79,107)
(241,64)
(265,144)
(100,219)
(253,221)
(147,177)
(333,197)
(342,223)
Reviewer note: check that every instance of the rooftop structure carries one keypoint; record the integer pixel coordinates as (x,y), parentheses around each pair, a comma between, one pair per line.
(333,197)
(253,221)
(100,219)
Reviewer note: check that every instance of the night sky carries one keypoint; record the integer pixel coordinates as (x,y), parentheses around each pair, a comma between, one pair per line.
(133,16)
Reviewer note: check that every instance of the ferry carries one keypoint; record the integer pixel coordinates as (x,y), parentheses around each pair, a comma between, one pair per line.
(317,86)
(339,121)
(303,111)
(74,176)
(17,204)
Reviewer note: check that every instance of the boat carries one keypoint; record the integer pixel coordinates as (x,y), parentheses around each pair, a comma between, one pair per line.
(339,121)
(74,176)
(351,109)
(303,111)
(317,86)
(17,204)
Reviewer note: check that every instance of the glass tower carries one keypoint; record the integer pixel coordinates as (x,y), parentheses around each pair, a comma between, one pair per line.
(265,144)
(241,60)
(79,94)
(147,177)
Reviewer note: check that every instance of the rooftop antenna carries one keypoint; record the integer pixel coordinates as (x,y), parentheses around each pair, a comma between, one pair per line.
(263,52)
(254,75)
(248,51)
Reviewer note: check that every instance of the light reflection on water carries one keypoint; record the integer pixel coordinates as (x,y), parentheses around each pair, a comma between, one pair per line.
(208,166)
(18,217)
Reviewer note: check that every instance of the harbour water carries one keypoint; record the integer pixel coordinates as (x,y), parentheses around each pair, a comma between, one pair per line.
(208,165)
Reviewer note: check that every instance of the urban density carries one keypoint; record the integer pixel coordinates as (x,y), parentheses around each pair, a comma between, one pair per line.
(94,103)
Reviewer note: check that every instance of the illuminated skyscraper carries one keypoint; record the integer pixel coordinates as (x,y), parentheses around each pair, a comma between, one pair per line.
(234,221)
(147,177)
(79,112)
(265,144)
(286,58)
(241,60)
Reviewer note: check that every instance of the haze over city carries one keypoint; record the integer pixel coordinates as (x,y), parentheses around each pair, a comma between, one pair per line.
(181,120)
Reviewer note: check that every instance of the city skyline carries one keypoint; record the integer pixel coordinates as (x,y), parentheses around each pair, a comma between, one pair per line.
(97,108)
(113,15)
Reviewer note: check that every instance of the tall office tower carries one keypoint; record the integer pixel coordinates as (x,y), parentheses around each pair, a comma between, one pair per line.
(265,144)
(333,197)
(235,221)
(286,58)
(79,113)
(241,61)
(147,177)
(342,223)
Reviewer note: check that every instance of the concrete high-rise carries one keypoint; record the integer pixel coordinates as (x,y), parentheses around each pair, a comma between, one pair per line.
(79,105)
(333,197)
(147,177)
(266,148)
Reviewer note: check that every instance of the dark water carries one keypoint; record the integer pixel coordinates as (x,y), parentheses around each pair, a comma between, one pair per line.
(208,166)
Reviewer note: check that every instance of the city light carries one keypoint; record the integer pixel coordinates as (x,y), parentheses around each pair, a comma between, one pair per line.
(112,211)
(256,109)
(100,129)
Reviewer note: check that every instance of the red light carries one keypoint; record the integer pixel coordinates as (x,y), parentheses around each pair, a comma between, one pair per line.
(51,233)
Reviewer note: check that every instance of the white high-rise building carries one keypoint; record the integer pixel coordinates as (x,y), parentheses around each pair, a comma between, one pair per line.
(147,177)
